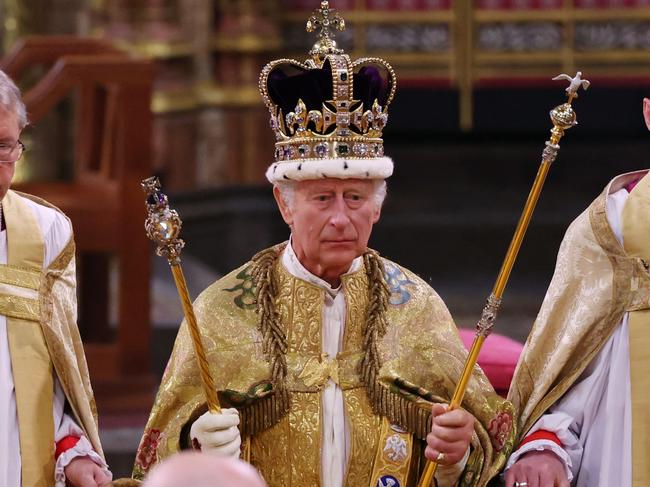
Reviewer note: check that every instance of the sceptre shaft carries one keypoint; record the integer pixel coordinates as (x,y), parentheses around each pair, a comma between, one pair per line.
(563,118)
(163,226)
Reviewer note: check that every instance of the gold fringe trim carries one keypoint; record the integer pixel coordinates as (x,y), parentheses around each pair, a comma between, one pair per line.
(412,416)
(264,413)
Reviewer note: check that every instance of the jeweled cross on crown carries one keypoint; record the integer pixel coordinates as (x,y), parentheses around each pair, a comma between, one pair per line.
(325,19)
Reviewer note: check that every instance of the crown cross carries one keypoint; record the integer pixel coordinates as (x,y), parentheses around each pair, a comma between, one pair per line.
(325,19)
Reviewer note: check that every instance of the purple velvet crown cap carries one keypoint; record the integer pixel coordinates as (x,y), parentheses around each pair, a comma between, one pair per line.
(288,83)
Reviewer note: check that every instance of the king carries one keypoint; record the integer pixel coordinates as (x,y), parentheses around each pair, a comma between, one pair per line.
(334,365)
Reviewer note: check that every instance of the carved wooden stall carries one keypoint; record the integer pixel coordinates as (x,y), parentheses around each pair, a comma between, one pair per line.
(112,153)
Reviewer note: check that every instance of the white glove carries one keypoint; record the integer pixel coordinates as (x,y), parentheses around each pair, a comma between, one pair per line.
(217,433)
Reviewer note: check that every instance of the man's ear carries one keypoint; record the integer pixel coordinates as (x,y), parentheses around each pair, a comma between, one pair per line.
(285,211)
(376,214)
(646,112)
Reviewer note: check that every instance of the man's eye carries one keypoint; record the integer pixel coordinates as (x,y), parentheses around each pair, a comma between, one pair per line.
(322,197)
(355,197)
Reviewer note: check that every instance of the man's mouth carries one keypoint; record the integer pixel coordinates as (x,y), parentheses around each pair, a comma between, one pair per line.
(338,241)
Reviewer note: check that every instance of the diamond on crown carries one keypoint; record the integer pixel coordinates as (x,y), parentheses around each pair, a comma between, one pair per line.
(360,149)
(343,119)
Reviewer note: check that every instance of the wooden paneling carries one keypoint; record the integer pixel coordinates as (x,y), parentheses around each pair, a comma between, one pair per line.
(112,154)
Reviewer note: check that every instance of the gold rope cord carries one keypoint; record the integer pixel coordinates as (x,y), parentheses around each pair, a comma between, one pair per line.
(199,350)
(266,412)
(274,337)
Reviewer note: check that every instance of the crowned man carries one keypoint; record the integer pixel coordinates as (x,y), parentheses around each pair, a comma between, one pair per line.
(581,386)
(334,363)
(48,428)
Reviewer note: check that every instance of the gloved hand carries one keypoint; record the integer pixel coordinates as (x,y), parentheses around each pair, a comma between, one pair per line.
(217,433)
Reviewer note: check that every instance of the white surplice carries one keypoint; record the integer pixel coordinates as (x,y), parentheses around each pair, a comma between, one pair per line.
(593,419)
(56,232)
(335,446)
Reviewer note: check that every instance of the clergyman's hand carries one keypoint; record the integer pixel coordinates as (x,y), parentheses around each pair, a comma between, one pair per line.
(83,472)
(537,469)
(217,433)
(451,433)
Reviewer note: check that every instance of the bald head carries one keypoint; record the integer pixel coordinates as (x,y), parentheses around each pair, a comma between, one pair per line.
(203,470)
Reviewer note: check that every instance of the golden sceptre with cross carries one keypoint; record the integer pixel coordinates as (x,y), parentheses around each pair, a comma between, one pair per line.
(163,226)
(563,118)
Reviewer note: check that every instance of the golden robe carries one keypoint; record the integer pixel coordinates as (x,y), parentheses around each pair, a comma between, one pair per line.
(595,283)
(420,358)
(40,306)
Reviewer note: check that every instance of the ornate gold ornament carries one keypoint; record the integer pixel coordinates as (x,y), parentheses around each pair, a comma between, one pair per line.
(488,316)
(163,224)
(332,123)
(325,18)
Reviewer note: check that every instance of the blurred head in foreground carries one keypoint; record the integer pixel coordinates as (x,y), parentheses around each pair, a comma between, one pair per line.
(201,470)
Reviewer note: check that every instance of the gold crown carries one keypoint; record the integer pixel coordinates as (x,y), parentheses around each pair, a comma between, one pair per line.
(318,113)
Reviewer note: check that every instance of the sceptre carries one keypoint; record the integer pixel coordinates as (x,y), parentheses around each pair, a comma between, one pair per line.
(563,118)
(163,226)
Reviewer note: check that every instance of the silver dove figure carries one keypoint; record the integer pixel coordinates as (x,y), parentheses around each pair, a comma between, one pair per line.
(574,83)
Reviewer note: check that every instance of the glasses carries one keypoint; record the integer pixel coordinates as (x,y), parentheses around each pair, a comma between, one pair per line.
(10,153)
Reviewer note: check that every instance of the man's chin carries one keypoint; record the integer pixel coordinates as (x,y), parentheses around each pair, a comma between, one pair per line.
(340,255)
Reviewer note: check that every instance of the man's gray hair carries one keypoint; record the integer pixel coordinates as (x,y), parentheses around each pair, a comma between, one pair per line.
(288,190)
(11,100)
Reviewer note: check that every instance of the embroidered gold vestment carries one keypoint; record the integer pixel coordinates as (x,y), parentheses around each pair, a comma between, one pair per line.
(420,354)
(40,306)
(636,240)
(596,282)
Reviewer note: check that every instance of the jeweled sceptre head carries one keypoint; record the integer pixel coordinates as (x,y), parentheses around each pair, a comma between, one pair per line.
(163,224)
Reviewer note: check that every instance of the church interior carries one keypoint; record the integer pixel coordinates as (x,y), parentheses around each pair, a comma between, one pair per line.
(119,90)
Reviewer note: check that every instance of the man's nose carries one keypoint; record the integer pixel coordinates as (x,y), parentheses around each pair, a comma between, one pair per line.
(339,217)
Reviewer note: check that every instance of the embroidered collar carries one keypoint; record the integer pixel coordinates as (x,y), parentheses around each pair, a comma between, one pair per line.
(294,266)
